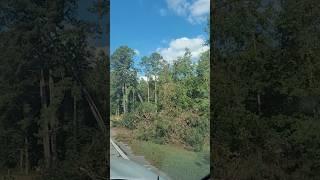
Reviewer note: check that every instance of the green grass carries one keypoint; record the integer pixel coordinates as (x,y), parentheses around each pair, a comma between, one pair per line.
(176,162)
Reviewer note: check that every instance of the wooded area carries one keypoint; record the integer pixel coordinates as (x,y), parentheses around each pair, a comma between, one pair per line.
(53,90)
(170,106)
(264,91)
(265,74)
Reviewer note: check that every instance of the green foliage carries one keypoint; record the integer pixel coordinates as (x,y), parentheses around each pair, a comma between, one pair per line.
(197,131)
(129,121)
(144,113)
(263,90)
(172,105)
(122,65)
(45,46)
(155,129)
(152,64)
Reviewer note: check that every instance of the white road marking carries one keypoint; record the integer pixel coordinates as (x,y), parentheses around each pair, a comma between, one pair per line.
(119,150)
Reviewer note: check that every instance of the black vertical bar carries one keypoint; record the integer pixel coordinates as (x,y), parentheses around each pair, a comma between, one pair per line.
(108,84)
(212,59)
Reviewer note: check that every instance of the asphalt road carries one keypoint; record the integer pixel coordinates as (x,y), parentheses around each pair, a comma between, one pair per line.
(124,168)
(126,151)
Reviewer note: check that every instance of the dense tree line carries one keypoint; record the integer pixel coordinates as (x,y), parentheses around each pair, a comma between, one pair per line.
(53,91)
(265,89)
(171,105)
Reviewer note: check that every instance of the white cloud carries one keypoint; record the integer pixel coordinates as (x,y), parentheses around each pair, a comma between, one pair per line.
(154,77)
(163,12)
(198,11)
(137,52)
(178,6)
(195,11)
(143,78)
(177,48)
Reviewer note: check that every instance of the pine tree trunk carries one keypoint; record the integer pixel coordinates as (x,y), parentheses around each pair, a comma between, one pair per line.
(95,112)
(53,133)
(124,98)
(133,98)
(118,108)
(255,55)
(155,93)
(140,98)
(127,90)
(45,129)
(259,103)
(118,105)
(148,91)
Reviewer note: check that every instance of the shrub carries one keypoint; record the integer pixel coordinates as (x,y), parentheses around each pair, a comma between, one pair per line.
(190,129)
(129,121)
(154,128)
(143,113)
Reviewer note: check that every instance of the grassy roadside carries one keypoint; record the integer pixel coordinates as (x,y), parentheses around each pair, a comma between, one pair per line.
(175,161)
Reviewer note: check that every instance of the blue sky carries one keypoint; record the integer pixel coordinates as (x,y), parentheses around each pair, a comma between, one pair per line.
(166,26)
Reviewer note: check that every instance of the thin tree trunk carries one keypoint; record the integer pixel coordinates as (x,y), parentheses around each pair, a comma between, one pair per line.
(95,111)
(124,98)
(155,93)
(21,160)
(74,116)
(127,90)
(133,98)
(45,129)
(140,98)
(254,45)
(26,152)
(42,91)
(52,121)
(148,91)
(46,146)
(255,55)
(259,103)
(118,105)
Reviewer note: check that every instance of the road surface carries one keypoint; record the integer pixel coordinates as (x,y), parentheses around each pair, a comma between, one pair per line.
(121,155)
(124,168)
